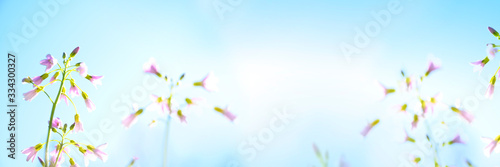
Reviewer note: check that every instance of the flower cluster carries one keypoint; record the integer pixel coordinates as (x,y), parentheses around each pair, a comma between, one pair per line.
(169,104)
(491,50)
(62,74)
(423,113)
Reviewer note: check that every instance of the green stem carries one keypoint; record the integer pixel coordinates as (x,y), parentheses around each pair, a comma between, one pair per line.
(54,104)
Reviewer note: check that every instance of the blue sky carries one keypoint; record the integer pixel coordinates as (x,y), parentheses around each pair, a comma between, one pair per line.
(270,56)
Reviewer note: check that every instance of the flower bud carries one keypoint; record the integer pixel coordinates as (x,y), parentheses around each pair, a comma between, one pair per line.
(494,32)
(64,55)
(71,161)
(74,52)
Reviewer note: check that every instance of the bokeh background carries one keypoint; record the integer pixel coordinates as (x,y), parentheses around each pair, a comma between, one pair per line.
(270,56)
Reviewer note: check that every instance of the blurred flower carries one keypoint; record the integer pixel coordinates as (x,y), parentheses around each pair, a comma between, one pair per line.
(385,91)
(31,152)
(369,127)
(226,113)
(159,103)
(467,116)
(53,156)
(494,32)
(90,105)
(415,121)
(194,101)
(131,119)
(78,125)
(88,155)
(27,80)
(63,97)
(491,88)
(491,51)
(492,145)
(403,107)
(98,151)
(181,116)
(153,124)
(209,83)
(433,65)
(28,96)
(73,163)
(49,62)
(95,80)
(435,101)
(57,123)
(408,138)
(151,67)
(82,69)
(456,140)
(479,65)
(73,90)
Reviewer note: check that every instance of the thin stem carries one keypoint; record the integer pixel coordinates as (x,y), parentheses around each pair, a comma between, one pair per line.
(167,131)
(54,104)
(71,103)
(48,96)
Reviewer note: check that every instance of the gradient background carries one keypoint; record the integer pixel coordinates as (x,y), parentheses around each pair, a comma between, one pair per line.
(269,56)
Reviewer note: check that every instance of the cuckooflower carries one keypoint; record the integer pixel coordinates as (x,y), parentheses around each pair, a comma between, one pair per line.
(385,91)
(226,113)
(95,80)
(491,88)
(31,152)
(432,67)
(408,138)
(72,163)
(464,114)
(53,156)
(456,140)
(28,96)
(98,151)
(82,69)
(181,116)
(54,77)
(159,103)
(209,83)
(74,52)
(90,105)
(479,65)
(194,101)
(63,96)
(39,79)
(78,126)
(88,155)
(49,62)
(73,90)
(151,67)
(491,51)
(57,123)
(27,80)
(369,127)
(492,145)
(132,118)
(415,121)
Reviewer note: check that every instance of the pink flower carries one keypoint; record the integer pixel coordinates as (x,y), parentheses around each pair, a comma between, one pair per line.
(27,80)
(54,77)
(95,80)
(73,90)
(90,105)
(433,102)
(194,101)
(78,126)
(408,138)
(159,103)
(492,145)
(72,163)
(181,116)
(385,91)
(369,127)
(63,97)
(467,116)
(432,67)
(491,88)
(479,65)
(28,96)
(82,69)
(39,79)
(132,118)
(209,83)
(226,113)
(57,123)
(60,160)
(31,152)
(456,140)
(98,151)
(415,121)
(88,156)
(491,51)
(49,62)
(151,67)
